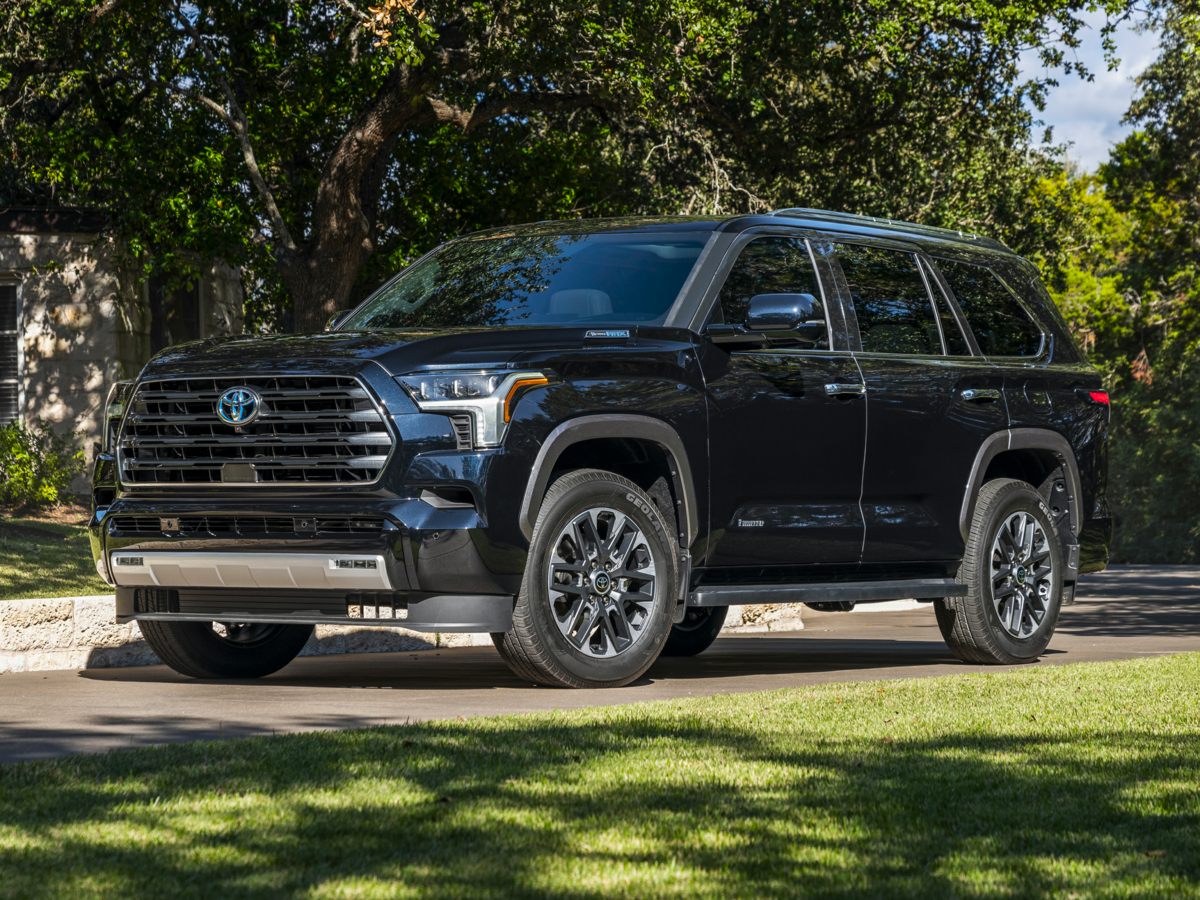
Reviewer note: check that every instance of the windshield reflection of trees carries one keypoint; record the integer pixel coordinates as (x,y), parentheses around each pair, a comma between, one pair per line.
(473,283)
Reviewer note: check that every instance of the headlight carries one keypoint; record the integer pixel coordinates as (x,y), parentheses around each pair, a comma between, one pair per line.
(114,412)
(489,397)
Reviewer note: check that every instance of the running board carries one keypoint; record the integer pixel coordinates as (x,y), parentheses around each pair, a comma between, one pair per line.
(829,592)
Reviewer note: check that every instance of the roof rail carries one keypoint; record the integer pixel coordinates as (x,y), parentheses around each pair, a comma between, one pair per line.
(951,234)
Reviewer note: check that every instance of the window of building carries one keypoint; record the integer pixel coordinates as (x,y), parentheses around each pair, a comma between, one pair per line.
(10,354)
(893,307)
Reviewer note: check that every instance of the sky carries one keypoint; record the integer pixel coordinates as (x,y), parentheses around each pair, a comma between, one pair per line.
(1087,114)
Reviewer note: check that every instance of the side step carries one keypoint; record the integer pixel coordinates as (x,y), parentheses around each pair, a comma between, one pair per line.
(833,592)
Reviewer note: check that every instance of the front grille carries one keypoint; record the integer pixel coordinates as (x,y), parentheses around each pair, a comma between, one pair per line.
(311,429)
(202,526)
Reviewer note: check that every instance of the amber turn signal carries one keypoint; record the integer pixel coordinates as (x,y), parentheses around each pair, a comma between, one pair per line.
(517,387)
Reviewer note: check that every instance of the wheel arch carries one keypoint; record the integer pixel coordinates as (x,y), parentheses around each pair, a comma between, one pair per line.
(612,427)
(1025,447)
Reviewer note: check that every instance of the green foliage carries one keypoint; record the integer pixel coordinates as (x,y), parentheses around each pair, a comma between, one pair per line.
(1119,252)
(37,466)
(320,143)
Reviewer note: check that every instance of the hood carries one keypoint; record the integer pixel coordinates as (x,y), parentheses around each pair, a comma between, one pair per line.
(397,352)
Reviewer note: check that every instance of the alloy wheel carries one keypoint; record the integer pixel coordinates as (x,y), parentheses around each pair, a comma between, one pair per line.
(601,582)
(1022,572)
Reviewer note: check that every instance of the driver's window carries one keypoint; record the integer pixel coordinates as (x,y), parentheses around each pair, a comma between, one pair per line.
(772,264)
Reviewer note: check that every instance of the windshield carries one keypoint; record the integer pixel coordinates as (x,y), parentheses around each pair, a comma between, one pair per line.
(537,279)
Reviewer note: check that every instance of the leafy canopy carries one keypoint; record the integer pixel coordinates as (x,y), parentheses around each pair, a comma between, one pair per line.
(321,144)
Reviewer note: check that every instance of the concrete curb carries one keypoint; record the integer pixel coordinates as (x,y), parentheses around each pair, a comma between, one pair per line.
(79,633)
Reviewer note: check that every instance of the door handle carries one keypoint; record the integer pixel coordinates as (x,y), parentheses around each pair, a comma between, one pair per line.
(980,395)
(846,390)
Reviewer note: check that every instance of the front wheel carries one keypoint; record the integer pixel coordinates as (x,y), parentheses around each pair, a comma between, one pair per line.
(1012,570)
(597,598)
(225,649)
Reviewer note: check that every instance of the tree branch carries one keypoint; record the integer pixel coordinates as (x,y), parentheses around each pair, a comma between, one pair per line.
(235,117)
(493,108)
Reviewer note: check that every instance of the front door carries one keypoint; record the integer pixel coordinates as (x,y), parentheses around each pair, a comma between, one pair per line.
(787,424)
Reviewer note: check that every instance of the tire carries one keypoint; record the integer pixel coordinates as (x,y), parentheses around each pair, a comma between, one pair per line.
(198,650)
(1029,598)
(592,630)
(697,631)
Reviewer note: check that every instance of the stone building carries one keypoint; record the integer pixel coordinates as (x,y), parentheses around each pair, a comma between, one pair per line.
(75,316)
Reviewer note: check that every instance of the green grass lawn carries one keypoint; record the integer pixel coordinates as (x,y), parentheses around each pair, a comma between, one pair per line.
(39,558)
(1080,780)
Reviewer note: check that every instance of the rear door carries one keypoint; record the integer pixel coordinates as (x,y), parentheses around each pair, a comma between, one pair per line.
(1007,334)
(931,403)
(787,422)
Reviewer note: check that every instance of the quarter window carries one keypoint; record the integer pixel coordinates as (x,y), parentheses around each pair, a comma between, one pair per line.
(1001,325)
(890,300)
(9,354)
(770,265)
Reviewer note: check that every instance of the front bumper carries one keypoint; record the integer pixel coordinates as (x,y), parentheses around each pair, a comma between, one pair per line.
(420,566)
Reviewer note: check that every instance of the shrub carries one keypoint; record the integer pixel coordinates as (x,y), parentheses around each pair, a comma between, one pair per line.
(37,466)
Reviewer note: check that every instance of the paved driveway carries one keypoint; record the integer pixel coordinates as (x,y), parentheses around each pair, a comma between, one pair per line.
(1124,613)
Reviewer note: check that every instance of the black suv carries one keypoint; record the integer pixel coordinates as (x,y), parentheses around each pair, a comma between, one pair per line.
(589,439)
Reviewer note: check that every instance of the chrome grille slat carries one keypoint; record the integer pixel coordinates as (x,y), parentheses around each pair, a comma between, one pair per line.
(357,462)
(280,440)
(339,416)
(311,430)
(176,396)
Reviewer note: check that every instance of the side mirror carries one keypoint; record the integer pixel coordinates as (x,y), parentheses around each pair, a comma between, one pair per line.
(337,319)
(783,312)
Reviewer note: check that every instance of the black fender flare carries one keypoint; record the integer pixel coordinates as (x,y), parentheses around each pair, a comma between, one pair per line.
(605,425)
(1023,439)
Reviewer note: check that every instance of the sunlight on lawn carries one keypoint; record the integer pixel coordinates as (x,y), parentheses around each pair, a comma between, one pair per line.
(1074,778)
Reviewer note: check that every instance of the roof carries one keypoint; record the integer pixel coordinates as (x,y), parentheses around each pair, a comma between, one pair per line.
(827,217)
(823,219)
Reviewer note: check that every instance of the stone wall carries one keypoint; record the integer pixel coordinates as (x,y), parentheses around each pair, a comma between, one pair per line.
(83,325)
(85,321)
(79,633)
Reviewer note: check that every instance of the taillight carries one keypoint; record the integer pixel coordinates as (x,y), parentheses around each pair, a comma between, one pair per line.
(1100,397)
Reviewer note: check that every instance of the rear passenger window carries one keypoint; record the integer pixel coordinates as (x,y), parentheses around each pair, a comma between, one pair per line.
(892,305)
(1001,325)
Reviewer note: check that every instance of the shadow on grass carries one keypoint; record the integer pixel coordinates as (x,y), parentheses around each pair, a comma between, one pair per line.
(637,806)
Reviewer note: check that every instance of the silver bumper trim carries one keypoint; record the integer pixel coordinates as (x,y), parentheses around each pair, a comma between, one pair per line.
(199,569)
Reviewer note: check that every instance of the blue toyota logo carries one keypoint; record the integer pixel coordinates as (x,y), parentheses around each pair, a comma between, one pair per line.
(239,406)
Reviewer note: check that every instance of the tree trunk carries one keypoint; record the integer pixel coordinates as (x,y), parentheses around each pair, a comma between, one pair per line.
(320,285)
(321,277)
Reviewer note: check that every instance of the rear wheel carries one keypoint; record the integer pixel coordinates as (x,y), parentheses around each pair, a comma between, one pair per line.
(596,601)
(225,649)
(1012,570)
(697,631)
